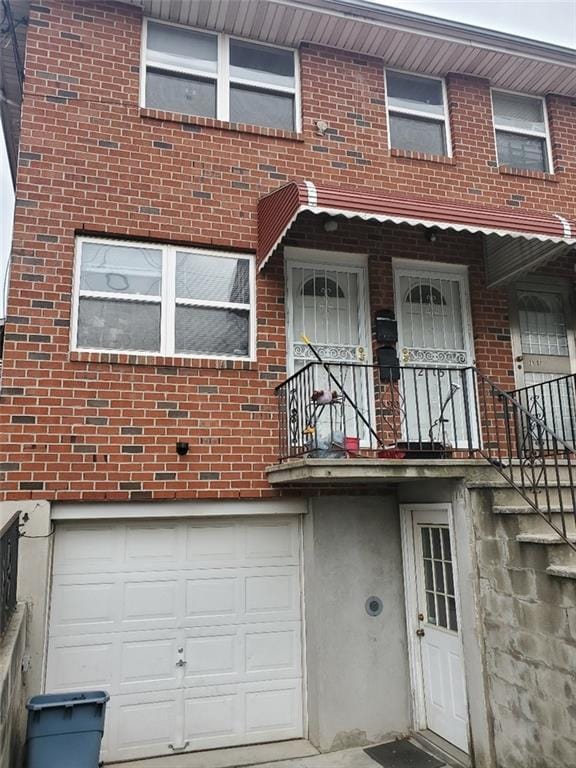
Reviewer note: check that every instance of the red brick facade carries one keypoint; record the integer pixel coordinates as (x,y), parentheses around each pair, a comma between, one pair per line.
(86,426)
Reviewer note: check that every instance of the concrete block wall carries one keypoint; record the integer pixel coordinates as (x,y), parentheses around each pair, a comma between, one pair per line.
(12,691)
(529,624)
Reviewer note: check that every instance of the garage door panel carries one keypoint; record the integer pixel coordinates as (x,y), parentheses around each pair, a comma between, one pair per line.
(193,627)
(271,543)
(142,726)
(83,549)
(80,665)
(272,594)
(81,604)
(273,710)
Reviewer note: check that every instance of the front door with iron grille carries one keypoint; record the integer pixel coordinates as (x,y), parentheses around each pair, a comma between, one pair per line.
(544,354)
(435,343)
(326,304)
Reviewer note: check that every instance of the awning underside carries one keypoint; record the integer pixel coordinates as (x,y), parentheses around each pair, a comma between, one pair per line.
(515,242)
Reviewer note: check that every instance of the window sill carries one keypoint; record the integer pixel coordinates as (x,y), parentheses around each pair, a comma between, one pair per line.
(409,154)
(506,170)
(155,361)
(210,122)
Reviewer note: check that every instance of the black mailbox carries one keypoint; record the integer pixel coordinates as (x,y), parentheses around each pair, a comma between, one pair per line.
(386,327)
(388,364)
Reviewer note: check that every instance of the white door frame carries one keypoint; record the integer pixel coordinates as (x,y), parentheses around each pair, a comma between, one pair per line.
(552,285)
(411,599)
(335,261)
(435,270)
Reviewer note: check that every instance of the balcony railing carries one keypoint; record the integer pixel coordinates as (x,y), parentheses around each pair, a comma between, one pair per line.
(552,402)
(9,535)
(338,409)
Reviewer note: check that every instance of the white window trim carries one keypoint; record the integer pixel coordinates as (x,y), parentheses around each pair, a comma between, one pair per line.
(222,76)
(545,134)
(167,301)
(444,118)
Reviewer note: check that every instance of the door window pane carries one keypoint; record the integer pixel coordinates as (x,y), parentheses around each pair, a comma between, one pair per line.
(181,47)
(212,278)
(209,331)
(422,94)
(126,325)
(542,324)
(271,110)
(187,95)
(438,577)
(517,151)
(112,268)
(417,134)
(261,63)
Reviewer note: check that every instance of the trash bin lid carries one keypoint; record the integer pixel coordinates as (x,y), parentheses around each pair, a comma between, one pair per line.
(72,699)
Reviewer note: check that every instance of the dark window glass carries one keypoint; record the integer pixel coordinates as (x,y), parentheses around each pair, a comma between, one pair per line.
(270,110)
(417,134)
(187,95)
(210,331)
(526,152)
(419,93)
(110,324)
(261,63)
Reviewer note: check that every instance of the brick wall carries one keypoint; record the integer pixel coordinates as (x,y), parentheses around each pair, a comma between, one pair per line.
(80,426)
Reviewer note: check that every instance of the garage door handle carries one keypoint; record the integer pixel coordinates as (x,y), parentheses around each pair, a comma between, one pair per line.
(178,749)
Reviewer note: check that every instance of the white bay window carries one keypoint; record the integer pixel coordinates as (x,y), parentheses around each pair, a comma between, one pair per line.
(212,75)
(163,300)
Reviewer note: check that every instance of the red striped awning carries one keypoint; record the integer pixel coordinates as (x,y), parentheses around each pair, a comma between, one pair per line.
(278,210)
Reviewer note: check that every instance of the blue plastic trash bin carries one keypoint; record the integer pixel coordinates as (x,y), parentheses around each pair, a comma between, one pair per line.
(65,729)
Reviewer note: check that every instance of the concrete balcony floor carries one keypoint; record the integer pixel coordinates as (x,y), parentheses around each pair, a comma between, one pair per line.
(334,472)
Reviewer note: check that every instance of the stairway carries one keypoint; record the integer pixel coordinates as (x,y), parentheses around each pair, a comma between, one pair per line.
(520,522)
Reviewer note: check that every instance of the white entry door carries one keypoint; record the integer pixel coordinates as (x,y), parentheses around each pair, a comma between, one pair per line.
(545,353)
(327,302)
(193,627)
(435,344)
(434,624)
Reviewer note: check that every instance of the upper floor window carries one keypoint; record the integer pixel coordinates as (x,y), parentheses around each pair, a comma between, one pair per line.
(163,300)
(211,75)
(417,113)
(521,127)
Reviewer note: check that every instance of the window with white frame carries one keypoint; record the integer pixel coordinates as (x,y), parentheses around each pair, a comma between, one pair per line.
(417,113)
(164,300)
(521,131)
(212,75)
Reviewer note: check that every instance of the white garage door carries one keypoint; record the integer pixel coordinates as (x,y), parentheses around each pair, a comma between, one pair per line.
(193,627)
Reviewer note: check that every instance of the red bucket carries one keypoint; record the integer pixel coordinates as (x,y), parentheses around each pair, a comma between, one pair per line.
(352,444)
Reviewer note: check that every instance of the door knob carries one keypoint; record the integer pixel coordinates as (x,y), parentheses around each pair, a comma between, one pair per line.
(519,358)
(420,632)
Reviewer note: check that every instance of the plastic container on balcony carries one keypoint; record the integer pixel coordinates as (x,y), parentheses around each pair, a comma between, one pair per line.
(65,729)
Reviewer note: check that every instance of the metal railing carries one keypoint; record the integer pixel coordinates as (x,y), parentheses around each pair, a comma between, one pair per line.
(554,403)
(334,409)
(522,445)
(9,536)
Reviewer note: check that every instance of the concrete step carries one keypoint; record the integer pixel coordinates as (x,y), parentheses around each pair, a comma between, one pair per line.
(510,497)
(563,571)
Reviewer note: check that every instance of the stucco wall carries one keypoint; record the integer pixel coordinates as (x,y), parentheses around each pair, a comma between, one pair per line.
(13,715)
(357,667)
